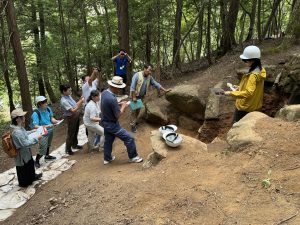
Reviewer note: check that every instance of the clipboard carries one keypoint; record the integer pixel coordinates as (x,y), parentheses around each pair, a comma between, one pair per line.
(136,105)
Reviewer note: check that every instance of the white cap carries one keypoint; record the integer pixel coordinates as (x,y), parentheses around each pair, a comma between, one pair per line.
(117,82)
(251,52)
(40,99)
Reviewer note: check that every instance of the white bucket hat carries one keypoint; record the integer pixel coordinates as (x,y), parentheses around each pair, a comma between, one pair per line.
(117,82)
(40,99)
(17,112)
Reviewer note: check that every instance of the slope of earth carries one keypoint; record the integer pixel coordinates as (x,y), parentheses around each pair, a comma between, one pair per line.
(190,186)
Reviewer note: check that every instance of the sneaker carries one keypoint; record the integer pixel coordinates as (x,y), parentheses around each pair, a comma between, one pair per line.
(133,129)
(136,159)
(50,157)
(38,176)
(105,162)
(37,164)
(77,147)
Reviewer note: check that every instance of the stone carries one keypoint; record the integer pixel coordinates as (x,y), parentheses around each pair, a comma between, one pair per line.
(186,98)
(242,133)
(289,113)
(212,110)
(154,113)
(188,123)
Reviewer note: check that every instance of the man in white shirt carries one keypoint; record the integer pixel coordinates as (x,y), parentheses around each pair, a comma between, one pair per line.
(91,83)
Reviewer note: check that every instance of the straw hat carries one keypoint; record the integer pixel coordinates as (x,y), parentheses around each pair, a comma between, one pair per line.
(117,82)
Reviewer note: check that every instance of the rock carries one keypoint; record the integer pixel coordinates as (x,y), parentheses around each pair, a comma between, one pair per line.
(152,160)
(188,123)
(186,98)
(289,113)
(242,133)
(53,201)
(154,113)
(213,104)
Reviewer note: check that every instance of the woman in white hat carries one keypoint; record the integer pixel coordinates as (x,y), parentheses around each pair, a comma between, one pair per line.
(24,162)
(249,95)
(43,116)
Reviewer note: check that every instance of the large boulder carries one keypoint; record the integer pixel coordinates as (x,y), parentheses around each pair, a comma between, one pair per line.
(160,148)
(155,113)
(186,98)
(289,113)
(242,133)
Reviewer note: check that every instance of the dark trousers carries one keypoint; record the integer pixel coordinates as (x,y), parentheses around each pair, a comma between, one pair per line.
(26,173)
(238,114)
(72,131)
(113,130)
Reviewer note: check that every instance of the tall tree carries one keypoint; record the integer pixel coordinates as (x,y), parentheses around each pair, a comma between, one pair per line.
(252,20)
(177,33)
(37,49)
(19,58)
(274,9)
(123,30)
(87,38)
(4,62)
(228,19)
(44,53)
(208,39)
(65,46)
(294,22)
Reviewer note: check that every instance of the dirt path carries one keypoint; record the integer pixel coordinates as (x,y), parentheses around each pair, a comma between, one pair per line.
(188,187)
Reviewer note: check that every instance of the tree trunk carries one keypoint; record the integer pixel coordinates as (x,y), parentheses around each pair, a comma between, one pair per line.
(158,66)
(4,62)
(65,46)
(177,32)
(200,34)
(208,39)
(19,59)
(44,53)
(37,49)
(123,30)
(87,38)
(228,24)
(252,20)
(258,26)
(242,27)
(274,9)
(148,36)
(294,23)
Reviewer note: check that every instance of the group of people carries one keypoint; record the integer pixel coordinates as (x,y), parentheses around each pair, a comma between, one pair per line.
(102,111)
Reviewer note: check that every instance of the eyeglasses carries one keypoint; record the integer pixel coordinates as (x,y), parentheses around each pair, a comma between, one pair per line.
(43,102)
(245,60)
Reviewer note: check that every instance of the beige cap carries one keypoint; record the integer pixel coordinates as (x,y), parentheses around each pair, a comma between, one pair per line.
(117,82)
(17,112)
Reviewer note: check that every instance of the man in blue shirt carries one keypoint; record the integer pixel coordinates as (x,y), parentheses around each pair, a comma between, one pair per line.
(138,89)
(43,116)
(111,111)
(121,61)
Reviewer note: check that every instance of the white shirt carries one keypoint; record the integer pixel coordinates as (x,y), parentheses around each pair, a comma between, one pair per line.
(91,111)
(87,89)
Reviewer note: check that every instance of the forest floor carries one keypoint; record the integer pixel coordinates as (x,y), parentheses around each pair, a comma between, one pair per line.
(188,187)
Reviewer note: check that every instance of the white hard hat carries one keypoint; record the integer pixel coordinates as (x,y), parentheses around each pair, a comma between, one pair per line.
(251,52)
(172,139)
(40,99)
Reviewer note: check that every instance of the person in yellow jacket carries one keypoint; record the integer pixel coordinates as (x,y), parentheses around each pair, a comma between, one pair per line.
(249,95)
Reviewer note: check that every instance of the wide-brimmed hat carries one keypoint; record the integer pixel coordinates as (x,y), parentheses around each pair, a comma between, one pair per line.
(17,112)
(40,99)
(117,82)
